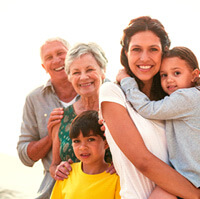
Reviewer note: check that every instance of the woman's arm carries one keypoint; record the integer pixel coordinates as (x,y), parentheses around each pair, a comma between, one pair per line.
(159,193)
(55,150)
(129,140)
(58,170)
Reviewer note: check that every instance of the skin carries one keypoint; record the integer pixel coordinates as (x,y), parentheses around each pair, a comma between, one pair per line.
(118,121)
(86,77)
(53,60)
(176,74)
(52,56)
(144,57)
(90,150)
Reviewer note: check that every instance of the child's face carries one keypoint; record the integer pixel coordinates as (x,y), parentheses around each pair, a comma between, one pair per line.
(175,74)
(89,149)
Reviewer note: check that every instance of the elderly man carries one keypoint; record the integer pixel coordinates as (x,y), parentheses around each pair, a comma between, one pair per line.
(34,142)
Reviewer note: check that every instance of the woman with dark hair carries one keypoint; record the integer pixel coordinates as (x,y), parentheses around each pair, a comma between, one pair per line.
(139,25)
(138,145)
(179,73)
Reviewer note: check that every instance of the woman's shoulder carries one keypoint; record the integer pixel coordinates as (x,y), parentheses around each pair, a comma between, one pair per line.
(110,86)
(112,92)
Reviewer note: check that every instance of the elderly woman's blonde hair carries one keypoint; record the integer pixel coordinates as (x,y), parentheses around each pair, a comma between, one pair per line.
(81,49)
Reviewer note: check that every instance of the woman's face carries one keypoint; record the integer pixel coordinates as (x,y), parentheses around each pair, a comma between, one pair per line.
(86,75)
(144,55)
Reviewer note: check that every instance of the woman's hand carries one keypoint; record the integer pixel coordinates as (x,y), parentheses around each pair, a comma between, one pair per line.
(121,75)
(55,118)
(102,125)
(63,170)
(111,169)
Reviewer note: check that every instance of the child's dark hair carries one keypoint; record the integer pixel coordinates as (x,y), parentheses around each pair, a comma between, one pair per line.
(187,55)
(85,123)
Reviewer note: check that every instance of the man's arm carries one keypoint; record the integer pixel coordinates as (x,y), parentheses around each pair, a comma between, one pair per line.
(37,150)
(30,147)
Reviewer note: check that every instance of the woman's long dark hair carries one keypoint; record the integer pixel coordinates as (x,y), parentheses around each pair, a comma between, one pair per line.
(140,24)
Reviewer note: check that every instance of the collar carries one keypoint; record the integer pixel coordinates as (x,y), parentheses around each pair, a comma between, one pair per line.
(48,85)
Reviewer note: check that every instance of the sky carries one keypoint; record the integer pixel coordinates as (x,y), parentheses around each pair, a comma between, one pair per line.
(26,24)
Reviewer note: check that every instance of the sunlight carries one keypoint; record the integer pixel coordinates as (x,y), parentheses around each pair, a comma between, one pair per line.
(26,24)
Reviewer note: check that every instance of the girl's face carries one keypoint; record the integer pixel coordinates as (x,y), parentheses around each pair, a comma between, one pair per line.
(176,74)
(86,75)
(144,55)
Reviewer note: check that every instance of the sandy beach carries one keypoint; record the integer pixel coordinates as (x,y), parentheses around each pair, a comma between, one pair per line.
(23,181)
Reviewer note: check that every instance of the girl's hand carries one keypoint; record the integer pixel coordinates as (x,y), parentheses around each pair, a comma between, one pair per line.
(121,75)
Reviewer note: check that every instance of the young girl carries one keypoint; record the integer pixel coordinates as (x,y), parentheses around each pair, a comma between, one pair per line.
(137,144)
(179,74)
(88,179)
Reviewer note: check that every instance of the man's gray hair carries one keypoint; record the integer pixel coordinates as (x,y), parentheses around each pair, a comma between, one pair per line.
(64,42)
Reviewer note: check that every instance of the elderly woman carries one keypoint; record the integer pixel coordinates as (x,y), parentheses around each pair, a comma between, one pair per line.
(85,65)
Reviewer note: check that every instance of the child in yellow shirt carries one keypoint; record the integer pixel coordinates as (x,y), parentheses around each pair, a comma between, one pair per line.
(88,178)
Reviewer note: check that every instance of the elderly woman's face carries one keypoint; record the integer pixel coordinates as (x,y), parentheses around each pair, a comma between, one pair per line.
(144,55)
(86,75)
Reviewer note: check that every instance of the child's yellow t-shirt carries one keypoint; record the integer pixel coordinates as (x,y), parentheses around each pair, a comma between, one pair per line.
(84,186)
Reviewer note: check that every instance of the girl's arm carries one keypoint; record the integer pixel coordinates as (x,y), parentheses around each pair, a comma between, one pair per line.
(129,140)
(171,107)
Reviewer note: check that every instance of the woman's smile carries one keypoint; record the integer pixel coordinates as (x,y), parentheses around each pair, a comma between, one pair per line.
(144,55)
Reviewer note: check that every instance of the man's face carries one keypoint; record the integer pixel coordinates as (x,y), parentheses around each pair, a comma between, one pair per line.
(53,59)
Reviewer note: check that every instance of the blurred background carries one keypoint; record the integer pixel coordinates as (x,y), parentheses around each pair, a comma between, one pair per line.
(26,24)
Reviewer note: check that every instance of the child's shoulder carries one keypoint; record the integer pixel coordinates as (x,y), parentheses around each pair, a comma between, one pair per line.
(114,175)
(76,165)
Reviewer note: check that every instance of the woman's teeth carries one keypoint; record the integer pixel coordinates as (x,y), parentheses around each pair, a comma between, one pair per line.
(145,67)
